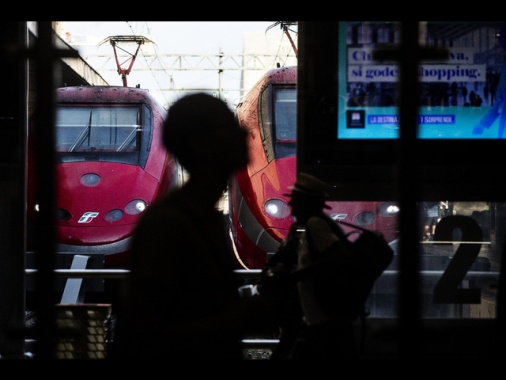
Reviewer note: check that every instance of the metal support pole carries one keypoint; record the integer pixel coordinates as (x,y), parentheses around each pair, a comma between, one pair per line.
(45,192)
(220,74)
(409,54)
(13,123)
(45,57)
(409,280)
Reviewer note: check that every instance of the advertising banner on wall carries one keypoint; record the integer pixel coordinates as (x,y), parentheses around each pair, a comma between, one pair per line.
(461,97)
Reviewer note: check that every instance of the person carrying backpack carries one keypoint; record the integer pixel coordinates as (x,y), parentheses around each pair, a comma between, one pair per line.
(315,328)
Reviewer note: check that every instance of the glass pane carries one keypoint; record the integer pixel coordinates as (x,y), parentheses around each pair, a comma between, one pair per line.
(459,247)
(285,116)
(88,129)
(460,97)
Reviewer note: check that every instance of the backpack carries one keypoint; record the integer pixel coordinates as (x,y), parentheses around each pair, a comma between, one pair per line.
(344,281)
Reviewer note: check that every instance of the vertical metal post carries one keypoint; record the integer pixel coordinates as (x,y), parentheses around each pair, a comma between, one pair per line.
(13,124)
(409,55)
(45,57)
(409,281)
(220,74)
(45,192)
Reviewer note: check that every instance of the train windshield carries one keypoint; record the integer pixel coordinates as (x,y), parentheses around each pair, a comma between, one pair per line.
(285,121)
(101,133)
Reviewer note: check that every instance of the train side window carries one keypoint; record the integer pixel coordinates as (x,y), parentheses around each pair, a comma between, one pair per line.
(146,135)
(266,120)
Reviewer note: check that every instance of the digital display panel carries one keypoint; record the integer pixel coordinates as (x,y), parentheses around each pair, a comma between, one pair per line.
(461,97)
(349,103)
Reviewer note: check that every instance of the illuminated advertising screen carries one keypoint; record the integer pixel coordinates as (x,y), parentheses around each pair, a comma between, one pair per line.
(461,97)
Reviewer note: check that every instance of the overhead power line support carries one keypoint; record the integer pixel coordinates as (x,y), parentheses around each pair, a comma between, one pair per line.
(284,26)
(114,40)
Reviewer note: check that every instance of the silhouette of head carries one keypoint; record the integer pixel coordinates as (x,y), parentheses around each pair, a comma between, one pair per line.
(307,197)
(203,133)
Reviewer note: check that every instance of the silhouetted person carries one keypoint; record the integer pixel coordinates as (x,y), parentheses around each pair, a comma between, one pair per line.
(430,212)
(277,281)
(181,302)
(320,333)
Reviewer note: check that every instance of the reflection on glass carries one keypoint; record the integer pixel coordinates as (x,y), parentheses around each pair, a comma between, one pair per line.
(460,96)
(459,261)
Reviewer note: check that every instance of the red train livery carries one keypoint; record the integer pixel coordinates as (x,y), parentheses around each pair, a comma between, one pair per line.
(259,214)
(111,165)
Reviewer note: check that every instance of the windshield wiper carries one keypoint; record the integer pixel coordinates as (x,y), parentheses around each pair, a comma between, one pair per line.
(129,139)
(82,136)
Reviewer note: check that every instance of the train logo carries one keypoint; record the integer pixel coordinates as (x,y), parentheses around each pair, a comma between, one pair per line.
(87,217)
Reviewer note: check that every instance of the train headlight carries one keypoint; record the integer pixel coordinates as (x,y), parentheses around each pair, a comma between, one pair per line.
(277,208)
(388,210)
(135,207)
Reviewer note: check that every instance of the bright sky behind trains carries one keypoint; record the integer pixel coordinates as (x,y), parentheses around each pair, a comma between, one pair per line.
(174,38)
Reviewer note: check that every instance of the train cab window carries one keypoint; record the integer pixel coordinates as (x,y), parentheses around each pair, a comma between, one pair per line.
(285,121)
(114,132)
(278,121)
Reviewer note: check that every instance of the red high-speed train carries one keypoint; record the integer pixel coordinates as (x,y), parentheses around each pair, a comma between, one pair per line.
(259,214)
(111,165)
